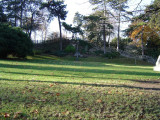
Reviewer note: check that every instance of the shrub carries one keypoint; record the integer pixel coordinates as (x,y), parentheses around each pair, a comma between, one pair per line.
(99,52)
(70,49)
(37,52)
(14,41)
(112,54)
(60,53)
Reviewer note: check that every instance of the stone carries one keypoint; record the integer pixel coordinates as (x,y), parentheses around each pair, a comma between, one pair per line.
(157,67)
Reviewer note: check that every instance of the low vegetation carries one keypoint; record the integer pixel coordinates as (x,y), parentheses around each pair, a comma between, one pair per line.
(48,87)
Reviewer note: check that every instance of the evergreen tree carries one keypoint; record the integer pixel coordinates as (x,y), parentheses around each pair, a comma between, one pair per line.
(56,9)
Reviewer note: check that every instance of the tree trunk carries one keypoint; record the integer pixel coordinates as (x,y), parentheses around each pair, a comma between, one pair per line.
(15,15)
(118,38)
(30,32)
(60,31)
(109,39)
(142,44)
(104,37)
(21,17)
(104,29)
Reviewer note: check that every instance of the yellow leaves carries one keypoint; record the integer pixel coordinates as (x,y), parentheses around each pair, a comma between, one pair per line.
(46,92)
(136,33)
(109,92)
(148,33)
(81,98)
(140,93)
(99,101)
(66,113)
(51,85)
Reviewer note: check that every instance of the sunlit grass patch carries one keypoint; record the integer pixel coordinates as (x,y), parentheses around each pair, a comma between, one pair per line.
(55,88)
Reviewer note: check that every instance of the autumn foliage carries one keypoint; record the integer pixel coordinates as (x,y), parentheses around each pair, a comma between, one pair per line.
(149,34)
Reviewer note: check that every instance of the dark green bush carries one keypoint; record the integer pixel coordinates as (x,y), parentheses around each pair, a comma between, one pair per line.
(70,49)
(99,52)
(153,52)
(112,54)
(14,41)
(60,53)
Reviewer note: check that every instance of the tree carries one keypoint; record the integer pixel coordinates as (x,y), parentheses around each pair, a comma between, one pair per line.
(3,17)
(56,9)
(73,30)
(153,13)
(23,13)
(142,34)
(12,8)
(118,6)
(14,41)
(93,28)
(78,19)
(33,18)
(96,28)
(144,29)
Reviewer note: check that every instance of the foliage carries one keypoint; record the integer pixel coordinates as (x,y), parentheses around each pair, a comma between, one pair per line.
(51,45)
(14,41)
(60,53)
(78,19)
(123,42)
(34,16)
(148,34)
(93,24)
(153,52)
(70,49)
(53,36)
(93,30)
(25,14)
(112,54)
(99,52)
(153,13)
(3,17)
(108,6)
(133,49)
(74,30)
(56,9)
(84,43)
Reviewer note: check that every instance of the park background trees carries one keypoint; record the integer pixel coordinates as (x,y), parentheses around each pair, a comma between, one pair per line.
(101,28)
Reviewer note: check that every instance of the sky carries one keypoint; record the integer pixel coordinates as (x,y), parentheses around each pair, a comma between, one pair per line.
(73,6)
(85,8)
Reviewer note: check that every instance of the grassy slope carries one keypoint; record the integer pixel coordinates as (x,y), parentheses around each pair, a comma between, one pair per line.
(53,88)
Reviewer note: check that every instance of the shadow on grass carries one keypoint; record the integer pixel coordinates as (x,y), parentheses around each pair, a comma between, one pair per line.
(86,84)
(145,81)
(50,59)
(83,76)
(99,71)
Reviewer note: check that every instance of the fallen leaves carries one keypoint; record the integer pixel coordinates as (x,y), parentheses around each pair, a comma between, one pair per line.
(66,113)
(6,115)
(57,94)
(109,92)
(99,101)
(109,116)
(19,115)
(35,111)
(51,85)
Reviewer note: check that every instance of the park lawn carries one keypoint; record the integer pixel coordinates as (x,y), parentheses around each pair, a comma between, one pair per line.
(50,88)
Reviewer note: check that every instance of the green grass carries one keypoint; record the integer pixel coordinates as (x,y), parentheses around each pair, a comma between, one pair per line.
(50,88)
